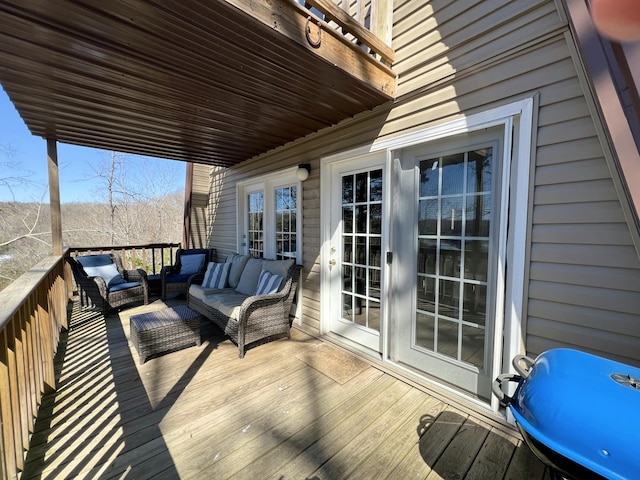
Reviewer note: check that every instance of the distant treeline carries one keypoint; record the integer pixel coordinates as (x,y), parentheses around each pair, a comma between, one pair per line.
(25,228)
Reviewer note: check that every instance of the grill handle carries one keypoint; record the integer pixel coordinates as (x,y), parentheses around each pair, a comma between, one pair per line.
(496,386)
(517,364)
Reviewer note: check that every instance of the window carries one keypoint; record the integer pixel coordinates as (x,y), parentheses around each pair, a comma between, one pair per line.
(268,216)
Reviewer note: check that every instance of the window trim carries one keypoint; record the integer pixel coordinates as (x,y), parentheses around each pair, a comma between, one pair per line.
(268,183)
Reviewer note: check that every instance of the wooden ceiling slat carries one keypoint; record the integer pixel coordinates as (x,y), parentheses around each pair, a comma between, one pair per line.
(69,93)
(154,82)
(183,79)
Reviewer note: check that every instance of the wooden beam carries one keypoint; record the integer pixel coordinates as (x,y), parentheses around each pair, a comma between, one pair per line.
(54,196)
(291,21)
(188,193)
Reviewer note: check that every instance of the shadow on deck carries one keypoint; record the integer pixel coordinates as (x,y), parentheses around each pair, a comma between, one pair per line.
(291,409)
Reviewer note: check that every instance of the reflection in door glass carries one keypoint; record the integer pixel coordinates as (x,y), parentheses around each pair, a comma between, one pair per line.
(361,248)
(454,224)
(255,234)
(286,222)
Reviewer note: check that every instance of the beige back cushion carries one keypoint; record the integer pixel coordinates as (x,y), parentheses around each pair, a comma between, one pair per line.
(249,278)
(237,266)
(279,267)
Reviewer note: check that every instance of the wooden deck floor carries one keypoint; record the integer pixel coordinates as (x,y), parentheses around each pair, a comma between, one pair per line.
(203,413)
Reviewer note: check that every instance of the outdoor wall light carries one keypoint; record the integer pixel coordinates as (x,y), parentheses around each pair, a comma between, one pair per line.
(303,171)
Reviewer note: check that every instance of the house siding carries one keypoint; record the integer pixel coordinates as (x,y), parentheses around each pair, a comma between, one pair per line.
(459,58)
(199,206)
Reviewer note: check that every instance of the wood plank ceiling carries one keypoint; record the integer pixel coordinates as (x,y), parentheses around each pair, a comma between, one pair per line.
(211,81)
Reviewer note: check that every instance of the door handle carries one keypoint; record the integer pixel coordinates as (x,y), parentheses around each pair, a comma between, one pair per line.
(332,262)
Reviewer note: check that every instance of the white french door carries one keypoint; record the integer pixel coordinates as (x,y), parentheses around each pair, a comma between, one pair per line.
(423,256)
(356,253)
(446,230)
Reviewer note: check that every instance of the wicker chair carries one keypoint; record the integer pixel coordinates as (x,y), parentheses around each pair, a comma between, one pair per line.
(116,288)
(174,279)
(261,318)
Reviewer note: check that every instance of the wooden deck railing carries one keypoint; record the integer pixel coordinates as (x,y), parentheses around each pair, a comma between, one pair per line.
(33,311)
(150,257)
(337,11)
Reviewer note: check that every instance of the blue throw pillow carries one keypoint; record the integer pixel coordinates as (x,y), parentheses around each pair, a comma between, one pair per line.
(216,275)
(268,283)
(190,264)
(109,273)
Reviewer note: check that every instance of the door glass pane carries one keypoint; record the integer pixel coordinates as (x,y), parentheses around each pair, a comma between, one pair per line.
(428,216)
(425,326)
(454,224)
(447,342)
(347,278)
(361,250)
(449,298)
(347,307)
(362,247)
(375,251)
(374,284)
(255,232)
(453,174)
(479,171)
(373,319)
(362,218)
(375,221)
(477,214)
(476,257)
(427,255)
(429,178)
(473,345)
(347,189)
(451,215)
(450,256)
(347,218)
(362,187)
(426,294)
(474,304)
(285,199)
(375,183)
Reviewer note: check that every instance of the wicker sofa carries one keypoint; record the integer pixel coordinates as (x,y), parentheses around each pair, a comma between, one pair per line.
(237,303)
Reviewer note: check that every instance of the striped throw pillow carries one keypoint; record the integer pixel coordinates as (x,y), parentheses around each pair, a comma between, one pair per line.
(216,275)
(268,283)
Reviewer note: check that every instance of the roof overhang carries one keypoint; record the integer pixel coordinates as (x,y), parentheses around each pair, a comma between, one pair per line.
(214,82)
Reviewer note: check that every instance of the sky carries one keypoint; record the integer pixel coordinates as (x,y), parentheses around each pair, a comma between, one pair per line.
(76,164)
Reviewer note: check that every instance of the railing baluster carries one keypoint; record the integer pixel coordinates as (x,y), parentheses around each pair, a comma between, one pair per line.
(8,450)
(14,388)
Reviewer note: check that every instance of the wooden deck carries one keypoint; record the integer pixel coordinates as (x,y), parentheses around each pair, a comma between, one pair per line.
(203,413)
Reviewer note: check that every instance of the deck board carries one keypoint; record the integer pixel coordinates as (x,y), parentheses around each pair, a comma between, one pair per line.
(203,412)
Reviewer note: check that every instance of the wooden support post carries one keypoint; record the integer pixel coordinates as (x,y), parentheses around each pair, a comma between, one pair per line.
(188,197)
(54,196)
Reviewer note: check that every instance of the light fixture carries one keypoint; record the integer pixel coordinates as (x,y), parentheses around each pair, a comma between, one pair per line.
(303,171)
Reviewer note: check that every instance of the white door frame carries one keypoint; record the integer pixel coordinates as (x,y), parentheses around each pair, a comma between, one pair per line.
(517,118)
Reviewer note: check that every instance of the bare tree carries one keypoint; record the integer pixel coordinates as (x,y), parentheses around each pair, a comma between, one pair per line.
(139,206)
(144,205)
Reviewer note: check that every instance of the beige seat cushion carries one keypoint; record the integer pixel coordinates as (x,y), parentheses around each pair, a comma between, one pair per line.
(229,305)
(200,292)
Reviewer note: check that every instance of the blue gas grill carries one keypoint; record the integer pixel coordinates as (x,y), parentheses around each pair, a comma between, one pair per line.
(578,413)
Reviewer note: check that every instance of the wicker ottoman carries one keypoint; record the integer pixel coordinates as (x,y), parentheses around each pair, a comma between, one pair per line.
(164,330)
